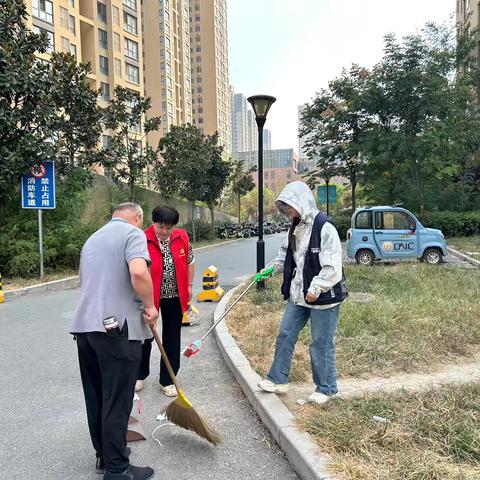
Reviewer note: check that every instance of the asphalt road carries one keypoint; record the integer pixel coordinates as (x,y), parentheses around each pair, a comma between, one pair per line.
(43,429)
(235,260)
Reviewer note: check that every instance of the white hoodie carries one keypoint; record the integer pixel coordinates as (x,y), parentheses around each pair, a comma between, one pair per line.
(300,197)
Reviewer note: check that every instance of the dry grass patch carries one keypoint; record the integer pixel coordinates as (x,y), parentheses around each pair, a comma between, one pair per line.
(466,244)
(420,317)
(433,435)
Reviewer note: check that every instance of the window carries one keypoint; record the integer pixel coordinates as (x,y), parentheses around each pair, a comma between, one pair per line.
(116,15)
(63,17)
(103,64)
(116,42)
(105,88)
(466,8)
(50,36)
(393,221)
(71,25)
(131,49)
(71,3)
(102,39)
(132,73)
(65,45)
(363,220)
(43,9)
(102,12)
(130,23)
(118,68)
(73,50)
(130,3)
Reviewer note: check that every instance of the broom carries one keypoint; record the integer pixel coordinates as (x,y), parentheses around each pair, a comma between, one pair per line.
(181,411)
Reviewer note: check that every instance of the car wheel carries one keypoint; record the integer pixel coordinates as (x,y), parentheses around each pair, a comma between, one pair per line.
(364,257)
(432,256)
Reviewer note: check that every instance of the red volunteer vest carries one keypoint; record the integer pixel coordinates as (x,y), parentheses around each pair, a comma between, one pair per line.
(179,244)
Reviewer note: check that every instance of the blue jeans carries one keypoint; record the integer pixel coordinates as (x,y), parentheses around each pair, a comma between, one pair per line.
(323,324)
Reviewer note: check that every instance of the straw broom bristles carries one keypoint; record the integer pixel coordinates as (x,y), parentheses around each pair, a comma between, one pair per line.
(181,411)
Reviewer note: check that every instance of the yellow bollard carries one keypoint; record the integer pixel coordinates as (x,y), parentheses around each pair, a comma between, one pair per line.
(186,320)
(2,295)
(211,291)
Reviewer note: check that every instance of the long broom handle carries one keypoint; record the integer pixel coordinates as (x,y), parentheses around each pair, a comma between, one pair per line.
(165,358)
(229,308)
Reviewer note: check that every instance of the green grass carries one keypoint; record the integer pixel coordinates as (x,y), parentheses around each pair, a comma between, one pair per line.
(420,317)
(466,244)
(434,435)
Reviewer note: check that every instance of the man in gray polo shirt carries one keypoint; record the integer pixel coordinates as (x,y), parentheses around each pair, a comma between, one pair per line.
(110,325)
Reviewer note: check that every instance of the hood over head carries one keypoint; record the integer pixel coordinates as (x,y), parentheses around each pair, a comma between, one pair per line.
(299,196)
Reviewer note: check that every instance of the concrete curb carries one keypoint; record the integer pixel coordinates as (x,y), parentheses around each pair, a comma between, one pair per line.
(461,255)
(299,448)
(219,244)
(55,285)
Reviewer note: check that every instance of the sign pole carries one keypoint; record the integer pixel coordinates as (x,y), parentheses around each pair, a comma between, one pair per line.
(40,240)
(328,209)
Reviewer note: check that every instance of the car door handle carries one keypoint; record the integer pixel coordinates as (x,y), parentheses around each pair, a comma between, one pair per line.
(378,233)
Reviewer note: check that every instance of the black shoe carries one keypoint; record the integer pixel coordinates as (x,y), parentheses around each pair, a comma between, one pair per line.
(141,473)
(132,473)
(100,465)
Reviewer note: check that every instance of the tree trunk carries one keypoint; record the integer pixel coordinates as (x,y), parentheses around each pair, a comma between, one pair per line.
(353,182)
(212,219)
(194,236)
(132,191)
(239,210)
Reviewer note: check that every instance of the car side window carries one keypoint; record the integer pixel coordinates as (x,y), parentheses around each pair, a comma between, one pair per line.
(363,220)
(393,221)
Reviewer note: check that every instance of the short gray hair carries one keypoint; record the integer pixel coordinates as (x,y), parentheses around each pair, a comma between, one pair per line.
(132,206)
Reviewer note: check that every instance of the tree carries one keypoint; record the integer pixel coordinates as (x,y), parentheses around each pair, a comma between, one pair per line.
(332,126)
(217,174)
(77,125)
(241,182)
(185,165)
(26,109)
(250,203)
(126,156)
(425,117)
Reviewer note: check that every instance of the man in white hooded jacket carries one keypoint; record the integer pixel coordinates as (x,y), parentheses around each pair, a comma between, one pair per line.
(311,260)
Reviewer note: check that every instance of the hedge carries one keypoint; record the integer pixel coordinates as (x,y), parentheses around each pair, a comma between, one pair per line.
(453,224)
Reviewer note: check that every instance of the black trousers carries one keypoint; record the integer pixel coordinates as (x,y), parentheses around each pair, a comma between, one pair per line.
(172,315)
(108,367)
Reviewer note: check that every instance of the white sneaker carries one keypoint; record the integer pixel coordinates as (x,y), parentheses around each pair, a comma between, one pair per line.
(319,398)
(169,390)
(139,385)
(268,386)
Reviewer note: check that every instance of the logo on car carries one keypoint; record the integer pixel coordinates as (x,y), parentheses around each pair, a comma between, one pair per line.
(388,246)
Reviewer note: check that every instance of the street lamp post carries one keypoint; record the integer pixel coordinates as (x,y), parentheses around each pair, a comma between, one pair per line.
(261,105)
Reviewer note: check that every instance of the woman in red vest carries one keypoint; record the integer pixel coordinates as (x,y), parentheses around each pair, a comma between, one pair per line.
(172,272)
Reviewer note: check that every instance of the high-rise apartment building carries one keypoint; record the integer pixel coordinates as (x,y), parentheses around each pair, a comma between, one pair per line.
(468,18)
(166,33)
(468,12)
(239,123)
(252,131)
(267,139)
(106,33)
(209,65)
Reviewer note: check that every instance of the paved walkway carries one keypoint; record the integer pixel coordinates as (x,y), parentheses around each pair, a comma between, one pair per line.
(465,372)
(43,427)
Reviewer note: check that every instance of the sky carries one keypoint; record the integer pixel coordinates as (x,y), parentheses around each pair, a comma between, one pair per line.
(292,49)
